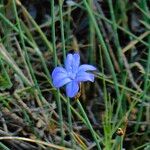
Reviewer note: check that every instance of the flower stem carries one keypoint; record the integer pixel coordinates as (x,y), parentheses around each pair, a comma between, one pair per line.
(55,63)
(62,28)
(102,42)
(70,121)
(64,57)
(88,124)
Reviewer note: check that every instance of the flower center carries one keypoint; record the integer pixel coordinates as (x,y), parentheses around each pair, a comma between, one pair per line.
(71,75)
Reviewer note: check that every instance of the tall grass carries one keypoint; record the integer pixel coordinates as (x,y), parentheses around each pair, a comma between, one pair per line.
(112,112)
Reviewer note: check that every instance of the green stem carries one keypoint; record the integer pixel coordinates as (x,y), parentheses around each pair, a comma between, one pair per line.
(101,40)
(64,57)
(91,37)
(62,29)
(146,76)
(70,121)
(89,124)
(25,50)
(43,36)
(55,63)
(116,39)
(68,31)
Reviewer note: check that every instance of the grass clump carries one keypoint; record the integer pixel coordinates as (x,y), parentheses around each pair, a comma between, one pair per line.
(111,113)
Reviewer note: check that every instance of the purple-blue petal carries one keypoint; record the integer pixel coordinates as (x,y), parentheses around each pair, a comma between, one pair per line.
(59,71)
(68,62)
(83,76)
(86,67)
(60,81)
(60,77)
(72,89)
(72,62)
(76,62)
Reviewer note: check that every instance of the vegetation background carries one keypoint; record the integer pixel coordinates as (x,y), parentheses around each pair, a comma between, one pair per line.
(112,113)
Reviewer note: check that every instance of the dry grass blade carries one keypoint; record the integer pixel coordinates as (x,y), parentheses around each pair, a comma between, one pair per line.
(35,141)
(132,43)
(7,58)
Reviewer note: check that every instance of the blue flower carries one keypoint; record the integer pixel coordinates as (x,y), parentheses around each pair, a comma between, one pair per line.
(72,74)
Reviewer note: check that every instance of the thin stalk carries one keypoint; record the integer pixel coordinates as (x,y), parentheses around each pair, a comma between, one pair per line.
(68,33)
(39,142)
(146,76)
(55,64)
(89,124)
(125,30)
(2,146)
(146,145)
(96,14)
(78,114)
(32,44)
(14,28)
(64,57)
(25,50)
(121,28)
(43,36)
(62,29)
(116,39)
(101,40)
(91,37)
(101,76)
(37,50)
(6,57)
(70,121)
(106,123)
(118,143)
(145,12)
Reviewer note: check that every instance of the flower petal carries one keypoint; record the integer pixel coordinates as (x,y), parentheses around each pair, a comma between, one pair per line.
(60,81)
(86,67)
(72,89)
(60,77)
(76,62)
(68,62)
(72,63)
(58,71)
(83,76)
